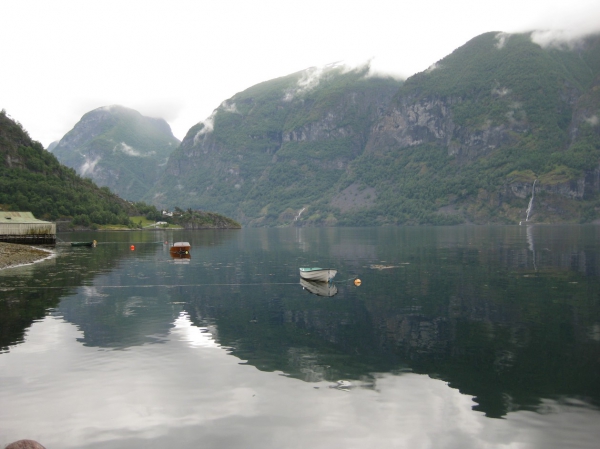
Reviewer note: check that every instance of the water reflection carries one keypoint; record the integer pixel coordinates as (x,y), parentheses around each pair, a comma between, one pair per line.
(319,288)
(472,311)
(184,330)
(449,325)
(147,396)
(181,259)
(531,245)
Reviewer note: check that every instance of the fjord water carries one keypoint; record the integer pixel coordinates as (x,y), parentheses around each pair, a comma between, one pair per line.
(463,337)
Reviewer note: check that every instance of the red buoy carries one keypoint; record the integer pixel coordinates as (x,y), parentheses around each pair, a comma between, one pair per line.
(132,247)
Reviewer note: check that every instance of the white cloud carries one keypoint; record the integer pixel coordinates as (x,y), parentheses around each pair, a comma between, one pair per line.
(501,39)
(123,147)
(89,166)
(229,107)
(567,39)
(308,80)
(153,59)
(209,124)
(312,76)
(167,108)
(434,66)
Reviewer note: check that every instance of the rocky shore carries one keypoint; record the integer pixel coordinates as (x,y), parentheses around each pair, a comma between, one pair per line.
(12,255)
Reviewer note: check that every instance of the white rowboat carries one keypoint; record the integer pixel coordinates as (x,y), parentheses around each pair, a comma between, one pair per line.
(317,274)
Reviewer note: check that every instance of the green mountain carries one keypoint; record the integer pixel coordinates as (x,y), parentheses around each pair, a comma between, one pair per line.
(466,140)
(32,179)
(461,142)
(118,148)
(277,147)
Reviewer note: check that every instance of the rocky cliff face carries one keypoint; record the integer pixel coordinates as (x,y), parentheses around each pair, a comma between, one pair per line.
(118,148)
(418,121)
(461,142)
(493,123)
(267,150)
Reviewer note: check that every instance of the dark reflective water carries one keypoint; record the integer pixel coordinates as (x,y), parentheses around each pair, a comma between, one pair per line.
(463,337)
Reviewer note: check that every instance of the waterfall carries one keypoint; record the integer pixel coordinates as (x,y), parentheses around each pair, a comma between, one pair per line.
(299,213)
(531,201)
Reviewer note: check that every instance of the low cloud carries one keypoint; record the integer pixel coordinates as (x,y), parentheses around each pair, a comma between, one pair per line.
(312,76)
(229,107)
(88,166)
(501,39)
(432,67)
(570,35)
(166,109)
(208,127)
(565,39)
(309,80)
(123,147)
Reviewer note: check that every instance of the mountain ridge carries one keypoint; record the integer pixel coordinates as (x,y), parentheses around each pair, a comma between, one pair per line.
(119,148)
(32,179)
(278,139)
(461,142)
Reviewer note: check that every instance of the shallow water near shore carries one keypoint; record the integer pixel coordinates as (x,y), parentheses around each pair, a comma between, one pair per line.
(16,255)
(463,337)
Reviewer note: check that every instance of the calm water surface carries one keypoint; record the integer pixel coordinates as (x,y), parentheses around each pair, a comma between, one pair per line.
(459,337)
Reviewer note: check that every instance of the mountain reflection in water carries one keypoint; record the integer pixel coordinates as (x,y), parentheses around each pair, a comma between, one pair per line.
(507,316)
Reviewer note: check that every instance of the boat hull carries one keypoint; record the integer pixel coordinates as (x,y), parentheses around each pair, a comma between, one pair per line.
(83,243)
(317,274)
(180,249)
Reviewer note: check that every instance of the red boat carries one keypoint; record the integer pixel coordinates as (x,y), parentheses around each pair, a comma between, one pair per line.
(180,249)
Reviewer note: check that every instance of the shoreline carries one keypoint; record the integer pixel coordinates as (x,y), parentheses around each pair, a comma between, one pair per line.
(13,255)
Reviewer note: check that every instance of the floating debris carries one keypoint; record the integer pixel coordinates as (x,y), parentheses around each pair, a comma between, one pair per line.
(343,385)
(382,267)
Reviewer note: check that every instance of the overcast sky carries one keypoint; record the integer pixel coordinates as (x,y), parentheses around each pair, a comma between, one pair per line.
(180,59)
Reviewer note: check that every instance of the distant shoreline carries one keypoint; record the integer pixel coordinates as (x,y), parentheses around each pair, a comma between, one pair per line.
(13,255)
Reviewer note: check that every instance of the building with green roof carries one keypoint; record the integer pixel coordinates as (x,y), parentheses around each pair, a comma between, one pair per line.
(23,227)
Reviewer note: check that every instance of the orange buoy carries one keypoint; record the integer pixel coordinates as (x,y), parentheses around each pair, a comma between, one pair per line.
(132,247)
(357,282)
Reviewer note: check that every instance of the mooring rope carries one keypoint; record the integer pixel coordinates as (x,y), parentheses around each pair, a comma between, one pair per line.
(41,287)
(145,286)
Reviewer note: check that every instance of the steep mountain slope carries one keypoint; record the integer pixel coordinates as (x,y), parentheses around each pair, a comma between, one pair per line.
(271,150)
(119,148)
(461,142)
(31,179)
(466,139)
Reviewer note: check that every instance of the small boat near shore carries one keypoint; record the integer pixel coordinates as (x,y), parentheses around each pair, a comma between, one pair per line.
(91,244)
(318,274)
(180,248)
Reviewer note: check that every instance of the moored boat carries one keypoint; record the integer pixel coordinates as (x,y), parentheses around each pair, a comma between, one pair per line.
(180,248)
(318,274)
(92,243)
